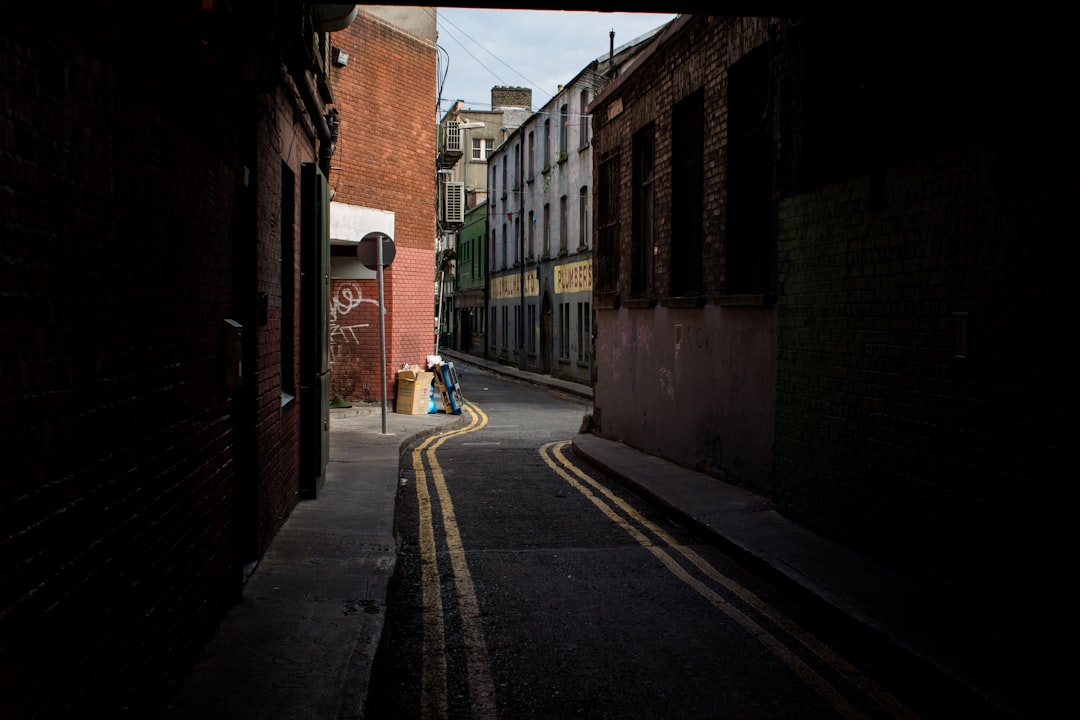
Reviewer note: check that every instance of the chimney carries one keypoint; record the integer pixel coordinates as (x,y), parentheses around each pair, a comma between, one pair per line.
(611,51)
(518,97)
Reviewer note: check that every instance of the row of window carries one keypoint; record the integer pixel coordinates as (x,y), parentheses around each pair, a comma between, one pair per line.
(527,171)
(746,266)
(509,250)
(566,332)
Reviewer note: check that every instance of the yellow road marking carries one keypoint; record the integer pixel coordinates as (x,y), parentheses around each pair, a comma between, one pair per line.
(481,686)
(795,663)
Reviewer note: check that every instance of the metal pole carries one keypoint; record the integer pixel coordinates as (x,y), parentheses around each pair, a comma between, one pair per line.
(382,333)
(438,312)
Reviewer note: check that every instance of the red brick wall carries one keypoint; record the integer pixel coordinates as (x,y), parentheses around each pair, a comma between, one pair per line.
(386,156)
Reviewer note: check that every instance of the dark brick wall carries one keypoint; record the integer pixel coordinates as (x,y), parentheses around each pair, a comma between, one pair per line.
(945,227)
(925,208)
(687,376)
(127,463)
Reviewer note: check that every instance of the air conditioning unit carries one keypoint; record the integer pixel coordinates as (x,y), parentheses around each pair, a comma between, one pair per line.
(453,136)
(454,203)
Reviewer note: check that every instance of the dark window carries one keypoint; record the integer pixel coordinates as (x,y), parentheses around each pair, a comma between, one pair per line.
(748,258)
(564,220)
(547,145)
(607,219)
(564,127)
(583,120)
(688,194)
(641,239)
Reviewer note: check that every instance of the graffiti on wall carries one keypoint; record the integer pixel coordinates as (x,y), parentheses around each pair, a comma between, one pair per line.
(344,323)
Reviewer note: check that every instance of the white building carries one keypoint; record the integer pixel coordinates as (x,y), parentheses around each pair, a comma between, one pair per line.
(540,229)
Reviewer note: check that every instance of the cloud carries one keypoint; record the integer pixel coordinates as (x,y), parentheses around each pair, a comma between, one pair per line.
(530,48)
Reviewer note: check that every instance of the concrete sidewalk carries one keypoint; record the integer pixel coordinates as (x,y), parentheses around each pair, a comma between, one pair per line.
(302,643)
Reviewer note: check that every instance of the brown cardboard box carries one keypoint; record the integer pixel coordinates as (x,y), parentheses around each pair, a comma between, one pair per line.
(414,391)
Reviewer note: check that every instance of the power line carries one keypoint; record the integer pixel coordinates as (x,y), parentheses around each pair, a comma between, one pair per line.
(446,20)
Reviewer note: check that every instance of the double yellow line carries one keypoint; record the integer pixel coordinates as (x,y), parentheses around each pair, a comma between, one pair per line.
(653,538)
(663,547)
(433,699)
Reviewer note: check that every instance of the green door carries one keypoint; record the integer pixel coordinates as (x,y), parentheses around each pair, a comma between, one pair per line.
(314,329)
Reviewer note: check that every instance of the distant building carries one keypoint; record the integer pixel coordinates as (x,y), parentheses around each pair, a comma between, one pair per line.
(540,229)
(467,138)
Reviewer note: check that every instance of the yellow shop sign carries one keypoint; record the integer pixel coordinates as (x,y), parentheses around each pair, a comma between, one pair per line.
(509,286)
(573,277)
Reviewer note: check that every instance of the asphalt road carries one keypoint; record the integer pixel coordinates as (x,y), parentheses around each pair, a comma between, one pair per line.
(530,586)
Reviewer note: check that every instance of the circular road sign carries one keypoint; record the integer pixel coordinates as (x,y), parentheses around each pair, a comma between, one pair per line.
(368,250)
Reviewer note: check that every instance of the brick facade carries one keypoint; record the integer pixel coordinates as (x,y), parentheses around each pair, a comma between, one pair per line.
(141,205)
(923,400)
(685,374)
(385,155)
(503,96)
(921,215)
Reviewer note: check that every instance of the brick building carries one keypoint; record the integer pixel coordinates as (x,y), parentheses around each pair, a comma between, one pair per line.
(384,182)
(162,182)
(859,303)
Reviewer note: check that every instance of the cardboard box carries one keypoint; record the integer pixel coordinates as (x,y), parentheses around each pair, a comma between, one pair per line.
(414,391)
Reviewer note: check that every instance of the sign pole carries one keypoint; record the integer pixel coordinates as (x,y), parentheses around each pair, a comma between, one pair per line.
(382,335)
(376,251)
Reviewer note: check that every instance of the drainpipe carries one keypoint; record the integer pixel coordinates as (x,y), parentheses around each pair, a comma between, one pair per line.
(611,52)
(327,136)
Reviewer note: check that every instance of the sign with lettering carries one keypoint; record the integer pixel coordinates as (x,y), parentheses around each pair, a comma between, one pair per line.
(509,286)
(573,277)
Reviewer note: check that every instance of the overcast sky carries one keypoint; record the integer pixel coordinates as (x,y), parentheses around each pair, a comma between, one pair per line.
(479,49)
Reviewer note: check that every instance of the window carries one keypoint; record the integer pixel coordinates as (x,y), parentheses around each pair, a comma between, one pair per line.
(547,144)
(482,148)
(564,330)
(531,330)
(474,256)
(504,185)
(493,324)
(532,154)
(688,194)
(517,166)
(505,328)
(641,233)
(564,127)
(748,258)
(583,120)
(606,259)
(583,338)
(517,240)
(583,217)
(562,225)
(532,234)
(505,249)
(547,230)
(518,339)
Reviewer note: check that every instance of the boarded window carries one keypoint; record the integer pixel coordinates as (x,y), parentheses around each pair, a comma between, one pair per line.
(749,191)
(688,194)
(641,238)
(607,218)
